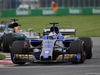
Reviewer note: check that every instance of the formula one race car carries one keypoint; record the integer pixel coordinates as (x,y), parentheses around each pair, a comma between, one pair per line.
(53,47)
(11,32)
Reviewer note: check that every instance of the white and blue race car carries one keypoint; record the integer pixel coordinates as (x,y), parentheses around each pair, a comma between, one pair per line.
(52,47)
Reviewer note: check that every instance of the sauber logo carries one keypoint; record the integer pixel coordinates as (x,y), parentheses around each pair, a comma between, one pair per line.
(47,52)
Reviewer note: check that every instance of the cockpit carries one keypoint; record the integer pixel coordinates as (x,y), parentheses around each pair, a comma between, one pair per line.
(52,35)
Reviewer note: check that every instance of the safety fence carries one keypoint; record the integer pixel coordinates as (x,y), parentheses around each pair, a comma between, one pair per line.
(49,12)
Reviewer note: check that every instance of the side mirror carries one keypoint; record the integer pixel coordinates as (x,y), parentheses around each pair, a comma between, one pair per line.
(31,29)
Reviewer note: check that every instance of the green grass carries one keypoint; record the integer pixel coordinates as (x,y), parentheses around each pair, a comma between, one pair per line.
(2,56)
(86,26)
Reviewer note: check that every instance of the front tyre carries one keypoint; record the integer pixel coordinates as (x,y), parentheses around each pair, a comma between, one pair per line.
(88,46)
(18,47)
(77,47)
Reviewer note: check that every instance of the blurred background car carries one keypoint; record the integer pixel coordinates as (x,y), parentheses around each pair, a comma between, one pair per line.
(11,32)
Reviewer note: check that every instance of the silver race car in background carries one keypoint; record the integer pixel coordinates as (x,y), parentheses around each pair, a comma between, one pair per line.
(11,32)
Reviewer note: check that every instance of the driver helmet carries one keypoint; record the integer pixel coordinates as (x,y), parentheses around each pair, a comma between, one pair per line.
(16,29)
(52,35)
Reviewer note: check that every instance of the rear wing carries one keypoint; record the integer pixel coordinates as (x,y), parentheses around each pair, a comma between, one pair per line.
(62,31)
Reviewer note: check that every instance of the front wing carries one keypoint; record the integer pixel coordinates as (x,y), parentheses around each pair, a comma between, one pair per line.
(32,58)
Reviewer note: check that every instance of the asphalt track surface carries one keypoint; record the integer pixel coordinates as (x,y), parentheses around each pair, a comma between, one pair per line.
(90,67)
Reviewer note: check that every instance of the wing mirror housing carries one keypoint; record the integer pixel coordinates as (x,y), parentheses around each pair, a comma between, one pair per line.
(31,29)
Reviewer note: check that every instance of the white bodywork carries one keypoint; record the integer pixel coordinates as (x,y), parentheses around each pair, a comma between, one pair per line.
(62,31)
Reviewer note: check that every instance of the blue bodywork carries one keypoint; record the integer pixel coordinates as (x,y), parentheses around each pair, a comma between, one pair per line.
(47,47)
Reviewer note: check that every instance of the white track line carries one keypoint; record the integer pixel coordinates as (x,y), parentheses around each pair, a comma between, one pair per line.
(92,73)
(7,58)
(41,67)
(6,61)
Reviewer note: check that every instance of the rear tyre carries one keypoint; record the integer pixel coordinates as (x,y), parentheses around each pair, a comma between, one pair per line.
(6,40)
(77,47)
(88,46)
(18,47)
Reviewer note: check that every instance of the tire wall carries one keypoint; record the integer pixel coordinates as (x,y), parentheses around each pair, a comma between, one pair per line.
(49,12)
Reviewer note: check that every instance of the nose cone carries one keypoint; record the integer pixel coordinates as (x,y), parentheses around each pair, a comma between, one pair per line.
(47,50)
(47,58)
